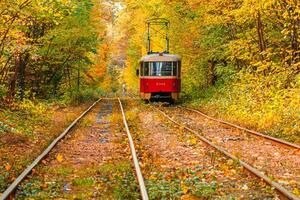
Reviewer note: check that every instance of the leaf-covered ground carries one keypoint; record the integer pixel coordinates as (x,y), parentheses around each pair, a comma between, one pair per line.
(278,161)
(92,162)
(176,165)
(25,131)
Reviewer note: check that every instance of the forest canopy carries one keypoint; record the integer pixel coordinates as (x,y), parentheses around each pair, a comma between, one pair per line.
(47,47)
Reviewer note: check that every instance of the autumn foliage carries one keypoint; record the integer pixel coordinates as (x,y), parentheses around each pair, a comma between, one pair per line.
(48,47)
(241,58)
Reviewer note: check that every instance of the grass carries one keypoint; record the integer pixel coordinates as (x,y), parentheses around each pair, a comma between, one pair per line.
(63,170)
(83,182)
(109,181)
(175,184)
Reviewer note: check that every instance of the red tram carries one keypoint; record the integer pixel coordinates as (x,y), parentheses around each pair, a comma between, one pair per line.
(160,73)
(160,76)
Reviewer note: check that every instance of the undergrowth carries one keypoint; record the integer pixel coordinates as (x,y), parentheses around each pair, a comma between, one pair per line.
(270,109)
(75,96)
(23,117)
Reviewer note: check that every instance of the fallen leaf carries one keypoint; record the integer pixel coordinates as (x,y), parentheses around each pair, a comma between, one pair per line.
(59,157)
(193,141)
(8,167)
(188,197)
(296,192)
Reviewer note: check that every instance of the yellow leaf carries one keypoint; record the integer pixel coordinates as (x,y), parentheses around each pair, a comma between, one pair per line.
(59,158)
(193,141)
(296,192)
(185,189)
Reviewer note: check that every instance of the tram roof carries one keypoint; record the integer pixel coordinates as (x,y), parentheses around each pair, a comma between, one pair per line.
(155,57)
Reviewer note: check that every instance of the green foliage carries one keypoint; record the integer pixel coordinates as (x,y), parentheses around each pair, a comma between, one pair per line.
(32,108)
(75,96)
(33,189)
(3,179)
(23,117)
(171,186)
(3,91)
(118,180)
(162,189)
(85,182)
(48,46)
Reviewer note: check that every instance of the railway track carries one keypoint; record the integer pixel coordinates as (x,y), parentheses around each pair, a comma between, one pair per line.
(143,192)
(139,177)
(170,156)
(281,190)
(289,144)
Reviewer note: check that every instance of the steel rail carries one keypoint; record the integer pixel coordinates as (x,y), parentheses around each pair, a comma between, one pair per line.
(251,169)
(25,173)
(138,171)
(244,129)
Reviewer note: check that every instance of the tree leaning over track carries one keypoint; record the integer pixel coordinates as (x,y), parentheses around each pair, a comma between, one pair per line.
(47,47)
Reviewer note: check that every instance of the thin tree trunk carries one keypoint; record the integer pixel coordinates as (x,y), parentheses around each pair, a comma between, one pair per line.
(5,69)
(211,74)
(13,81)
(261,38)
(21,74)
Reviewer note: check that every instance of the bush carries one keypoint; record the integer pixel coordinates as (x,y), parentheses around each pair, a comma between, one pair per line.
(251,102)
(3,91)
(75,96)
(32,108)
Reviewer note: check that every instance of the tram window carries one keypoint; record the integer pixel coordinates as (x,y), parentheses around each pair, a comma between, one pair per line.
(179,69)
(141,69)
(146,69)
(154,69)
(174,68)
(166,69)
(161,68)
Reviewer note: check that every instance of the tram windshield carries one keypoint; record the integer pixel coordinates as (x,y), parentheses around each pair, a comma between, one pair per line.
(159,69)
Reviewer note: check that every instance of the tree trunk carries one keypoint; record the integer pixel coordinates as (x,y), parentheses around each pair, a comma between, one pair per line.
(23,60)
(211,73)
(13,81)
(78,79)
(261,38)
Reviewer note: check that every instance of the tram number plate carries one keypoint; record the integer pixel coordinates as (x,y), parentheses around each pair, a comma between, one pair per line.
(160,84)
